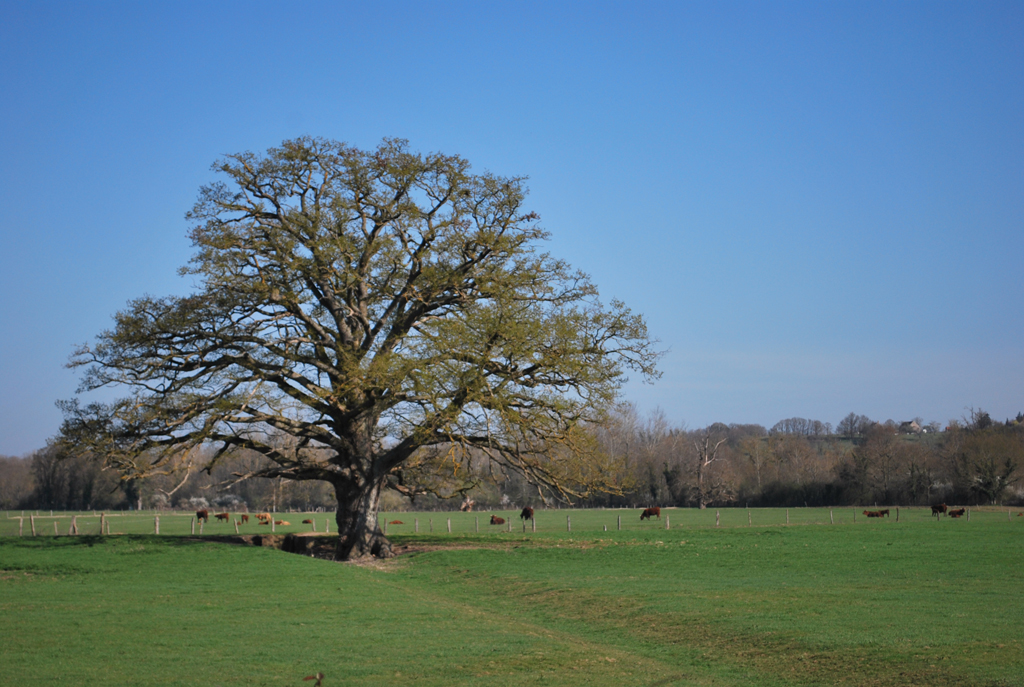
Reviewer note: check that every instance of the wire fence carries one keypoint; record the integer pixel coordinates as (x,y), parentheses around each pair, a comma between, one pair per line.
(181,523)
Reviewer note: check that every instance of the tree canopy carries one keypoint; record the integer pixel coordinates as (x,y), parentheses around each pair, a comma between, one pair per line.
(375,319)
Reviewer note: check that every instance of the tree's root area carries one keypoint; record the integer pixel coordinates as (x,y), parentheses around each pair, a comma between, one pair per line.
(322,546)
(325,546)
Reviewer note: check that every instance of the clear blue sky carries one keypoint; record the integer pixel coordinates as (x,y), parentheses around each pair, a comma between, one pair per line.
(818,206)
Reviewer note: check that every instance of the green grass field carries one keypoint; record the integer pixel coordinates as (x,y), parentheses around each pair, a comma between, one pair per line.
(918,602)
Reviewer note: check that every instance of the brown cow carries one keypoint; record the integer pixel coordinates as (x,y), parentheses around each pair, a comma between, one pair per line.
(203,515)
(873,513)
(956,512)
(264,518)
(527,514)
(281,522)
(307,521)
(396,522)
(495,520)
(222,516)
(650,513)
(245,519)
(941,508)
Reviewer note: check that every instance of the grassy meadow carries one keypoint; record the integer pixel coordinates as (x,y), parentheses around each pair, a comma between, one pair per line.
(867,602)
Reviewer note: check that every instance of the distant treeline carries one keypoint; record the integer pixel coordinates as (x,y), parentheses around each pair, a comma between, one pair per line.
(796,462)
(52,479)
(805,462)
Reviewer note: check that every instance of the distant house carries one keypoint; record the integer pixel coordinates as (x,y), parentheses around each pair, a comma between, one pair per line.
(910,428)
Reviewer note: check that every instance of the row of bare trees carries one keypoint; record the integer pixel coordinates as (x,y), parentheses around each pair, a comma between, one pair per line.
(53,478)
(796,462)
(803,462)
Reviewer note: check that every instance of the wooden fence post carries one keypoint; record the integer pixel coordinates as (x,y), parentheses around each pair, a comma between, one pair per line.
(749,521)
(327,525)
(57,534)
(74,525)
(385,526)
(568,523)
(718,515)
(666,522)
(968,514)
(430,522)
(449,525)
(103,521)
(201,522)
(534,521)
(314,524)
(21,525)
(236,525)
(787,516)
(830,518)
(476,523)
(193,524)
(416,526)
(108,528)
(897,513)
(619,522)
(273,524)
(32,522)
(156,524)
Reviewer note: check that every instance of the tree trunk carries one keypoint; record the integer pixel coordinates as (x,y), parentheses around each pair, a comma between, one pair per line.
(359,533)
(701,500)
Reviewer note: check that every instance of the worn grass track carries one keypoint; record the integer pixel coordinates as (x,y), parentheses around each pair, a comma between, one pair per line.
(882,606)
(913,603)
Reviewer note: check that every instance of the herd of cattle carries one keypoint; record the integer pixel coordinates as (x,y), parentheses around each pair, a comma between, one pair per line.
(936,511)
(263,518)
(527,514)
(655,512)
(951,512)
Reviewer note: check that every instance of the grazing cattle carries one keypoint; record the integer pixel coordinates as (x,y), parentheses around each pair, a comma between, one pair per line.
(956,512)
(396,522)
(527,514)
(203,515)
(884,511)
(264,518)
(281,522)
(245,519)
(222,516)
(941,508)
(307,521)
(873,513)
(650,513)
(495,520)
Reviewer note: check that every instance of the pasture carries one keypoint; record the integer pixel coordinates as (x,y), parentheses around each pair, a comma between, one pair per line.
(918,602)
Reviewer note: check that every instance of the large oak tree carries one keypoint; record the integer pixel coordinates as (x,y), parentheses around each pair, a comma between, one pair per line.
(376,319)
